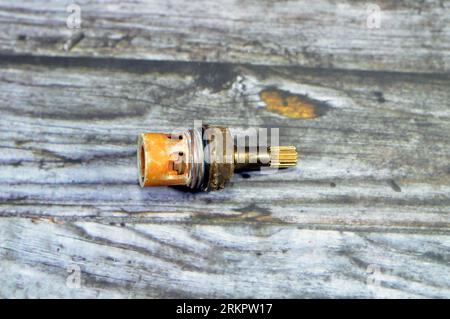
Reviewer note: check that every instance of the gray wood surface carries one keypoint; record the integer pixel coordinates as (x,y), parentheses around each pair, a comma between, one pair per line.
(366,214)
(69,143)
(413,36)
(246,260)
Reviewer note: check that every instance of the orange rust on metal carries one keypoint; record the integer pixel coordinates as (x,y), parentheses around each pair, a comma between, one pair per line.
(288,104)
(161,159)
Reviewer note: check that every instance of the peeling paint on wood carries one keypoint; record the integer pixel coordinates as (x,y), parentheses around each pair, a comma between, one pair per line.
(291,105)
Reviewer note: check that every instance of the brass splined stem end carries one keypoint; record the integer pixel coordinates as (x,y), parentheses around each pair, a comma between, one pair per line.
(283,156)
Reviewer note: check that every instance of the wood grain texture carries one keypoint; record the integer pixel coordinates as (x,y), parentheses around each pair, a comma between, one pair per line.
(413,35)
(69,135)
(365,214)
(157,260)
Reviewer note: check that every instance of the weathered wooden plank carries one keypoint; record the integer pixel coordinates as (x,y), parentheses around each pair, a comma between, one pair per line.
(413,35)
(375,157)
(153,260)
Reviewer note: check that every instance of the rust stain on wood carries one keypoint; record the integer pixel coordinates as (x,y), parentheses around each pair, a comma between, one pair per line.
(297,106)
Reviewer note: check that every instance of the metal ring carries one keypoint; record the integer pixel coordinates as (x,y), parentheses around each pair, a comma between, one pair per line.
(197,165)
